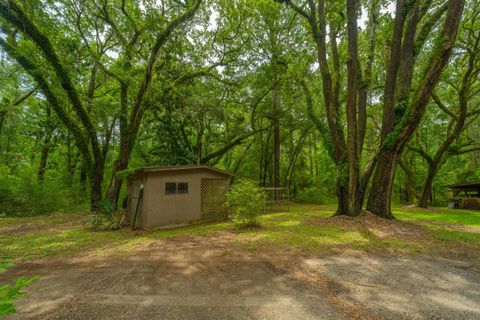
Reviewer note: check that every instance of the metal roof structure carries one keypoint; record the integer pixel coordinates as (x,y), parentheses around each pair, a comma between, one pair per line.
(465,186)
(182,168)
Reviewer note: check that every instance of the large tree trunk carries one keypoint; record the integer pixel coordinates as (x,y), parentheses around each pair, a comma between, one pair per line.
(113,193)
(394,138)
(342,197)
(96,178)
(354,207)
(365,179)
(335,152)
(392,70)
(439,158)
(45,146)
(410,185)
(43,160)
(427,185)
(379,200)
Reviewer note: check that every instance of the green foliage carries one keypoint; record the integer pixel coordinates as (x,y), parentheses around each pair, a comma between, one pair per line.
(313,195)
(247,201)
(9,293)
(22,194)
(4,265)
(107,218)
(103,221)
(211,84)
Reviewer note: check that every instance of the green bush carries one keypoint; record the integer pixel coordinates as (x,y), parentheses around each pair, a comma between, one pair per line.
(9,293)
(247,202)
(313,195)
(22,194)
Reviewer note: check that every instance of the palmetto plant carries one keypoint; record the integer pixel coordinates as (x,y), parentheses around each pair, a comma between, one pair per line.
(8,293)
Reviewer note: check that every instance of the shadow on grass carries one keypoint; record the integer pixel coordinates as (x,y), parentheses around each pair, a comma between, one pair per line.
(306,228)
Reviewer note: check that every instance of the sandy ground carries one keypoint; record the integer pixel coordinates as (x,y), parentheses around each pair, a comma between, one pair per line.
(184,278)
(402,287)
(194,277)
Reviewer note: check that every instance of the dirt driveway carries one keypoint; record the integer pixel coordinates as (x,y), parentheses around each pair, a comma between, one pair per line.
(182,278)
(409,287)
(216,277)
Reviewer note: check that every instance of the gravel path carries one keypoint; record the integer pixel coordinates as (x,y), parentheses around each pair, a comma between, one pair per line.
(215,277)
(189,279)
(412,287)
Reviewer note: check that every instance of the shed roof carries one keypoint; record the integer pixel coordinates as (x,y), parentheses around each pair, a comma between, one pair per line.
(465,186)
(182,168)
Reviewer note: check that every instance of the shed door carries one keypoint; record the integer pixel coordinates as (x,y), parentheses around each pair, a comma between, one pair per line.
(213,197)
(132,202)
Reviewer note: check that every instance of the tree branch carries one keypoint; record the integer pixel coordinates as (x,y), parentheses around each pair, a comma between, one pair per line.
(62,114)
(228,147)
(443,107)
(297,9)
(421,152)
(137,113)
(15,15)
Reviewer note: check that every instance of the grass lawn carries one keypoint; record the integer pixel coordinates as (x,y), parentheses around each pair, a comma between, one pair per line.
(469,218)
(307,228)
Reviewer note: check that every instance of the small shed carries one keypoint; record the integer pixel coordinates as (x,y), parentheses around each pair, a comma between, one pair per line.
(465,196)
(177,195)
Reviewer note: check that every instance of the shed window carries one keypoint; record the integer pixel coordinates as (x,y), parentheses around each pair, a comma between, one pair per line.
(170,188)
(183,187)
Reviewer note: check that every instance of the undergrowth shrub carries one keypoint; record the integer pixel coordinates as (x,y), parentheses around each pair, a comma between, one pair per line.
(247,202)
(9,293)
(107,218)
(313,195)
(24,195)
